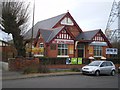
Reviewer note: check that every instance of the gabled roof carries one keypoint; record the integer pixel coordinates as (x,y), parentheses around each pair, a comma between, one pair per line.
(51,22)
(88,35)
(55,31)
(45,24)
(48,35)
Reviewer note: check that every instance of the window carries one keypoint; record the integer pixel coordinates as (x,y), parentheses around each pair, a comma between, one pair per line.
(103,64)
(53,46)
(62,49)
(41,49)
(97,51)
(109,64)
(67,21)
(41,45)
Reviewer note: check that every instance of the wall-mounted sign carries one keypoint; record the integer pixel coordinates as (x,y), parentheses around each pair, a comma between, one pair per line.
(68,61)
(111,50)
(59,41)
(35,50)
(74,61)
(79,60)
(90,48)
(71,49)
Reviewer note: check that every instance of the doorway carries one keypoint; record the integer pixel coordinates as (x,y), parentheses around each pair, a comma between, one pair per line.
(80,48)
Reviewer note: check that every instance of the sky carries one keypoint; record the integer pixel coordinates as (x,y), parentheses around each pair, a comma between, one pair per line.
(89,14)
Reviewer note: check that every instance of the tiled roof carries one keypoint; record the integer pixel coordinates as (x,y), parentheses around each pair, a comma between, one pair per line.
(88,35)
(55,31)
(45,24)
(48,35)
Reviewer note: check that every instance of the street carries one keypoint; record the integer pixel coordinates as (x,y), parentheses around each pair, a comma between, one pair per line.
(69,81)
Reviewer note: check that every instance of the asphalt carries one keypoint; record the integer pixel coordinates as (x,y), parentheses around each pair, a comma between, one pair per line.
(8,75)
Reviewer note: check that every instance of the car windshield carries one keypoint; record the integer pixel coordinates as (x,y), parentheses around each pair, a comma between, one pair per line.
(94,63)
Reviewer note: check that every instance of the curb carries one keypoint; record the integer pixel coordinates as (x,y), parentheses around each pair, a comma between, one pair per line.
(41,75)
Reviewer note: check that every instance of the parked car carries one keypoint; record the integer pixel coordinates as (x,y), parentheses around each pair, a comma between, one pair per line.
(99,67)
(118,69)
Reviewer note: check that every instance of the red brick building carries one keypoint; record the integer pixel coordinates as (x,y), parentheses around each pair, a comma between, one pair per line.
(6,51)
(60,36)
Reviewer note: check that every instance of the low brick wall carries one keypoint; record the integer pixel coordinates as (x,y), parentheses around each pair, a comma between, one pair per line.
(64,66)
(17,64)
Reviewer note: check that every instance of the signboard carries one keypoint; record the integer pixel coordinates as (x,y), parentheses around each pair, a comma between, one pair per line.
(79,60)
(59,41)
(111,50)
(68,61)
(35,49)
(73,60)
(71,49)
(90,48)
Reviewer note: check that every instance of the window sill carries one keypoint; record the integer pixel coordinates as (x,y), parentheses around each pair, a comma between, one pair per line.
(97,56)
(62,56)
(37,55)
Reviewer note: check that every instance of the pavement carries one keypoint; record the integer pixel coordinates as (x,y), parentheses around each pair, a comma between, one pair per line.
(8,75)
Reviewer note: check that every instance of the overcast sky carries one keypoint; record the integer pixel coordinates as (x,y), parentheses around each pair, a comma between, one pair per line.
(89,14)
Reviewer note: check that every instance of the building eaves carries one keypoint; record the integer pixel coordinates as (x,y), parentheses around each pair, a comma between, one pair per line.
(88,35)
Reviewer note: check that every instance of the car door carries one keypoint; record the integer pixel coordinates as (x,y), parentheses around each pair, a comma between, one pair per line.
(109,67)
(103,68)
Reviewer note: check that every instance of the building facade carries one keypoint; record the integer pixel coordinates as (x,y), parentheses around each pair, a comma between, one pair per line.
(6,51)
(60,36)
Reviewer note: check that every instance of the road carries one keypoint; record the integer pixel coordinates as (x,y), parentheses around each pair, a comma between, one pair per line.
(70,81)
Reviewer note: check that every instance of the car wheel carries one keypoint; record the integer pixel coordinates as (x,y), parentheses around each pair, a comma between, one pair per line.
(113,72)
(97,73)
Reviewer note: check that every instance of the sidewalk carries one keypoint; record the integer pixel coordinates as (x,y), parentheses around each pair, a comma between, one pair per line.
(7,75)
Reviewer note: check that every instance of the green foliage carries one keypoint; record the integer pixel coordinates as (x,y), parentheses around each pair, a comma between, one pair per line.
(29,70)
(43,69)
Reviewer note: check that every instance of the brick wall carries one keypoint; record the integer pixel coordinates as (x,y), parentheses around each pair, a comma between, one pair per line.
(17,64)
(8,52)
(64,66)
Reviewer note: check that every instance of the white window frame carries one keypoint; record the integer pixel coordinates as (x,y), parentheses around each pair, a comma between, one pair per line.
(63,49)
(41,45)
(97,51)
(67,21)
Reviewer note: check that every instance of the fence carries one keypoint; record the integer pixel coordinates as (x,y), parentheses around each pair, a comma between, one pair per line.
(58,61)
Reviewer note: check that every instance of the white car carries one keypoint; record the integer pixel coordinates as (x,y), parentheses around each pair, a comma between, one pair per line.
(99,67)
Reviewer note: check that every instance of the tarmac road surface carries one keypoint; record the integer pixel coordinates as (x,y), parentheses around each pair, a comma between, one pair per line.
(69,81)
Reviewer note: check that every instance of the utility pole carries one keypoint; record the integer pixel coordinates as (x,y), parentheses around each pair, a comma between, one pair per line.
(32,28)
(118,21)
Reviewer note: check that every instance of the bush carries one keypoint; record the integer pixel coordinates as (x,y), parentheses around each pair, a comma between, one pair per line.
(29,70)
(43,69)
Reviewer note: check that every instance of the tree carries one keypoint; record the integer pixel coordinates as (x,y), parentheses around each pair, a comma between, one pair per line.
(15,17)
